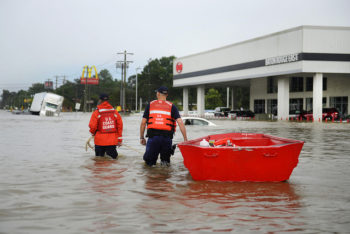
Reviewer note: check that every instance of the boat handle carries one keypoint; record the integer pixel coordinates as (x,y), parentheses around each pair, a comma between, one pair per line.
(240,148)
(213,155)
(270,154)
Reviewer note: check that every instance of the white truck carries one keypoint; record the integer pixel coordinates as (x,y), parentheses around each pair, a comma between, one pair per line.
(46,104)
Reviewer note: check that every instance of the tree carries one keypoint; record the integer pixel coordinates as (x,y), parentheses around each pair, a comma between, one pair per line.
(241,97)
(5,99)
(68,91)
(213,99)
(158,72)
(36,88)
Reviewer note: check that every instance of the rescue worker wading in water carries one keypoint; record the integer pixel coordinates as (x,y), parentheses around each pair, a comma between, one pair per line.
(161,117)
(107,126)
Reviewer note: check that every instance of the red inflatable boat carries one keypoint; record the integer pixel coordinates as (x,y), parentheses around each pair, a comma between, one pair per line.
(241,157)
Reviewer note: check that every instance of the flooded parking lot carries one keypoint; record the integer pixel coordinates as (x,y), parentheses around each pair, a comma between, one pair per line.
(50,184)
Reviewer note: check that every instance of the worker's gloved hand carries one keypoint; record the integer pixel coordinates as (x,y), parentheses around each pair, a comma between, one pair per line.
(120,142)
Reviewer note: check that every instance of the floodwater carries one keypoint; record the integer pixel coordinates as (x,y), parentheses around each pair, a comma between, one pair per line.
(50,184)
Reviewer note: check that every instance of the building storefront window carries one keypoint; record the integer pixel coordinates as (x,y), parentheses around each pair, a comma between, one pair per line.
(272,106)
(341,103)
(309,84)
(259,106)
(295,105)
(296,84)
(271,85)
(309,103)
(324,84)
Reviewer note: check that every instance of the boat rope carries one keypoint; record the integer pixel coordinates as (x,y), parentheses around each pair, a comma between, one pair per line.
(132,148)
(88,145)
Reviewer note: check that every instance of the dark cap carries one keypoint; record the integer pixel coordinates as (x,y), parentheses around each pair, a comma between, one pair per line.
(162,90)
(104,96)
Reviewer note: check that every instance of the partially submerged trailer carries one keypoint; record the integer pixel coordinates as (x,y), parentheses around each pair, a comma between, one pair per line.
(46,104)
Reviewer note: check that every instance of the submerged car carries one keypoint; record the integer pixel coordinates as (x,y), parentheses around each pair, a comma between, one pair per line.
(242,113)
(221,111)
(209,113)
(327,113)
(197,121)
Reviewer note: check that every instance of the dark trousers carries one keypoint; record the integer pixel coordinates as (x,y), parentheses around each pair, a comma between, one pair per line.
(157,145)
(111,150)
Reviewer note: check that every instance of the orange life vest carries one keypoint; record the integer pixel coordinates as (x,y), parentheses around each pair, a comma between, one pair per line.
(107,121)
(160,116)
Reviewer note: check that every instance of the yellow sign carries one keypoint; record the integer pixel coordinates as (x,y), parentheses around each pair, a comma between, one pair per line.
(89,79)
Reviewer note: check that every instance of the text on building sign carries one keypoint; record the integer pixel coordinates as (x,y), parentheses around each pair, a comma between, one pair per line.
(281,59)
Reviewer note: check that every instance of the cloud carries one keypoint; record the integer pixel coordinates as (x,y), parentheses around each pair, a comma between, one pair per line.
(41,39)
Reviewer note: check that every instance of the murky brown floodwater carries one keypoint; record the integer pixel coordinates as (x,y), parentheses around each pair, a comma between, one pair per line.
(50,184)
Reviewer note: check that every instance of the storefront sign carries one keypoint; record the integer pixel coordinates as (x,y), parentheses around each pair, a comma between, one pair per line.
(281,59)
(179,67)
(88,79)
(48,85)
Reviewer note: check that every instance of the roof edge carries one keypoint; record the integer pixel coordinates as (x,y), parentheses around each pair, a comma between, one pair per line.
(269,35)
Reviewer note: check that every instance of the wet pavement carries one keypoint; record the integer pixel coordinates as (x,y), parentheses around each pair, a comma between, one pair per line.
(50,184)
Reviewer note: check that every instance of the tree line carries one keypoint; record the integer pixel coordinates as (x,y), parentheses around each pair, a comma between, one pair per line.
(158,72)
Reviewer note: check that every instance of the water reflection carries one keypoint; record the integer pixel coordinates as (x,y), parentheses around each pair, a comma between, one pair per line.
(156,182)
(49,184)
(106,177)
(217,206)
(238,203)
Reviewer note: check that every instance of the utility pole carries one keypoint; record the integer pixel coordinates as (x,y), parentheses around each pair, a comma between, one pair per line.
(149,80)
(117,66)
(125,66)
(85,90)
(122,86)
(56,81)
(136,90)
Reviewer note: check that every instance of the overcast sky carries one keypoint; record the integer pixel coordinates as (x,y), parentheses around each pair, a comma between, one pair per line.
(40,39)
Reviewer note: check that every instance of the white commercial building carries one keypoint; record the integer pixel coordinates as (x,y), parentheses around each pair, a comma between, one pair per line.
(306,67)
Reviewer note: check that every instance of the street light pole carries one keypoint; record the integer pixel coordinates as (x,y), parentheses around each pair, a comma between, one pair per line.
(136,90)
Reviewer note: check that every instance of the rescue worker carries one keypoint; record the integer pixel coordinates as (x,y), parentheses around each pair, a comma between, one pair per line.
(161,117)
(106,125)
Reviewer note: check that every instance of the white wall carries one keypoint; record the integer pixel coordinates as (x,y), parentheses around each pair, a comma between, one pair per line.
(337,86)
(281,43)
(309,39)
(326,39)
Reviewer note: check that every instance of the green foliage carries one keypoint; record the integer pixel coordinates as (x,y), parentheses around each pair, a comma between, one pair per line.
(241,97)
(213,99)
(158,72)
(36,88)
